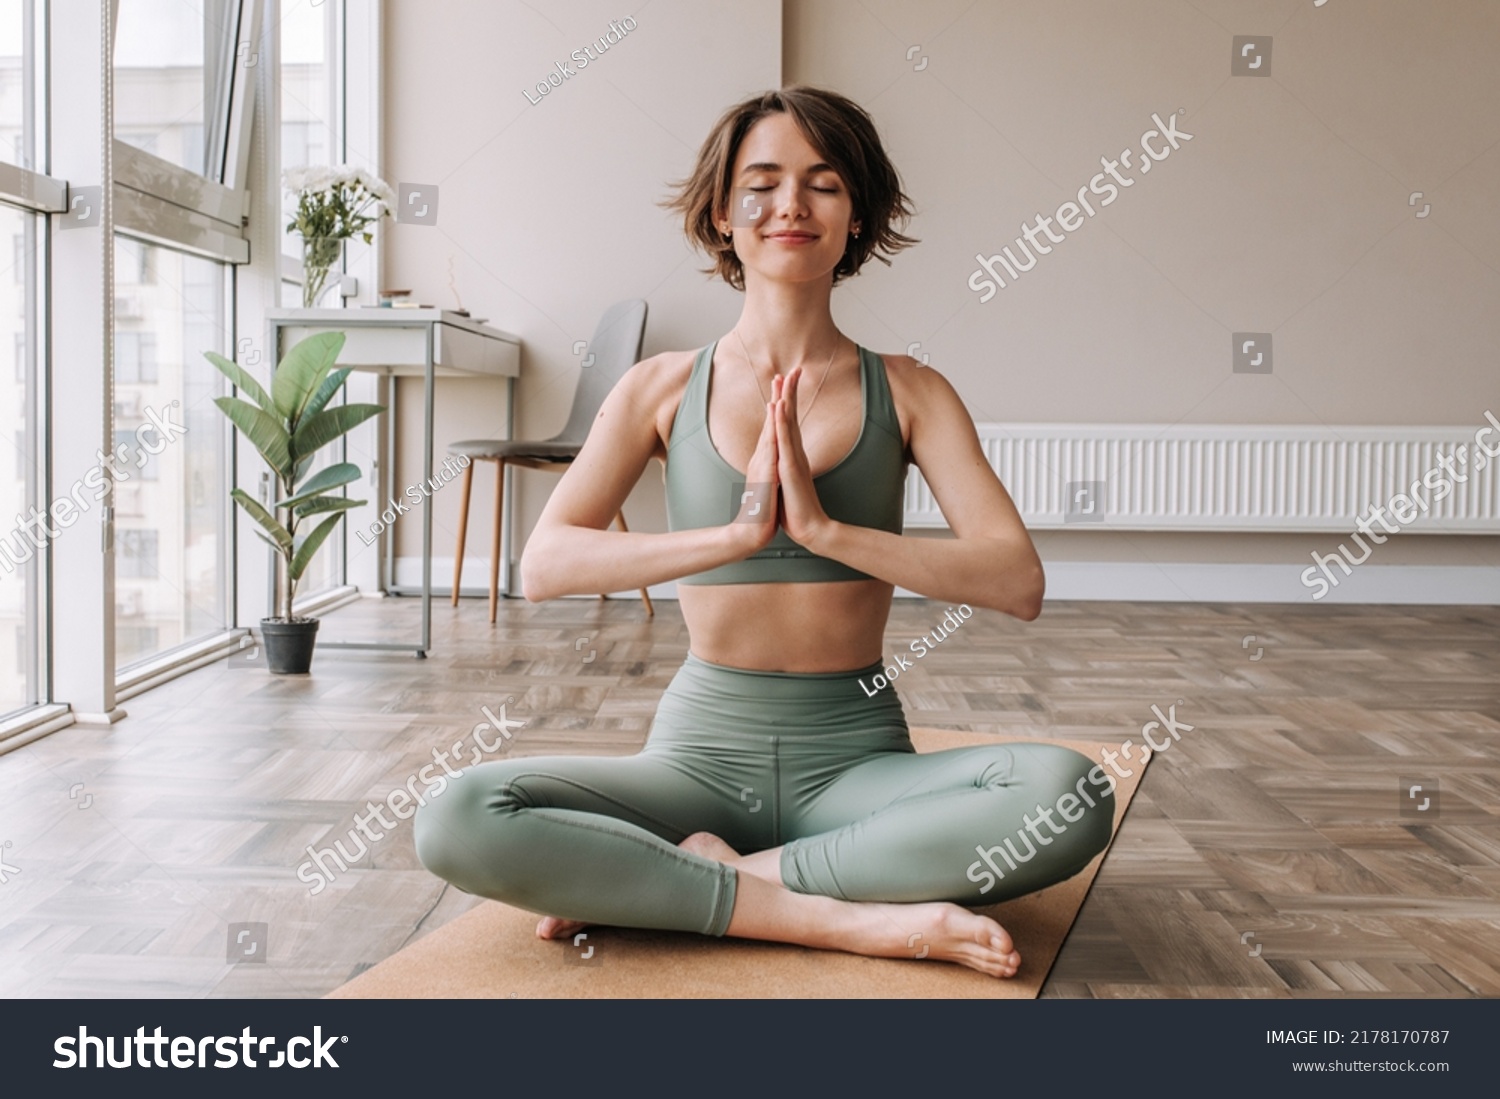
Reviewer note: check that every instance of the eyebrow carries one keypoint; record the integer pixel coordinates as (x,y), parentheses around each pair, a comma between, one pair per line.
(770,166)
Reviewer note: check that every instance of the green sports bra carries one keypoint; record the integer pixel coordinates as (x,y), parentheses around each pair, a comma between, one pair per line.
(865,489)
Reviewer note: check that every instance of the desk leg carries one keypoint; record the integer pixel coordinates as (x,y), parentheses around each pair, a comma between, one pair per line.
(273,341)
(510,434)
(389,386)
(429,398)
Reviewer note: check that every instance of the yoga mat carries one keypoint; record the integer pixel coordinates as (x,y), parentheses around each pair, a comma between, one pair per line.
(492,952)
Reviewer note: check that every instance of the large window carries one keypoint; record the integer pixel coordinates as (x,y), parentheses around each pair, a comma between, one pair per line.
(190,188)
(22,544)
(310,134)
(309,118)
(21,552)
(171,454)
(173,65)
(16,131)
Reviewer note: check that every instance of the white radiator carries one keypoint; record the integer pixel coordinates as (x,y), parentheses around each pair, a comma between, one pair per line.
(1222,477)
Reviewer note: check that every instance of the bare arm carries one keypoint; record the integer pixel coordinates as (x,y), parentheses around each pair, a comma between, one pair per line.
(572,552)
(990,562)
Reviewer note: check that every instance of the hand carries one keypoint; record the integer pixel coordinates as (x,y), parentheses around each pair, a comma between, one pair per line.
(754,524)
(802,512)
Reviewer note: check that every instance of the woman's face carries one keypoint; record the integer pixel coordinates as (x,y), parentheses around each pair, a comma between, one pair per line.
(789,211)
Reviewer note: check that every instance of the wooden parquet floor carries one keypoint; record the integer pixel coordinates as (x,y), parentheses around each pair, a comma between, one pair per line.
(1273,850)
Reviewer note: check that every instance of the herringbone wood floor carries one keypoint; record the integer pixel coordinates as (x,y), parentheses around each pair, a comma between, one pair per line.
(1272,850)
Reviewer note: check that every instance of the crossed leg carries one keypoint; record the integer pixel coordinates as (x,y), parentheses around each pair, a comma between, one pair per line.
(908,827)
(592,840)
(974,826)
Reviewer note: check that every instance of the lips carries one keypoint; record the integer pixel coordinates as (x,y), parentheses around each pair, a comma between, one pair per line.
(791,236)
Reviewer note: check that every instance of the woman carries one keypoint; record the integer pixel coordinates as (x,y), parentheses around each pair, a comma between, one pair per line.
(778,795)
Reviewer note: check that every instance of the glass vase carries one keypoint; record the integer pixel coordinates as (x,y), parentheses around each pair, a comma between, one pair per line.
(320,255)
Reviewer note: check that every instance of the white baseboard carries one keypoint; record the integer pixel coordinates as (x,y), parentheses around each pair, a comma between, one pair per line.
(1198,583)
(476,573)
(1127,582)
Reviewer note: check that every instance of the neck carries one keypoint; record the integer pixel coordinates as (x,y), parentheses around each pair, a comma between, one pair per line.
(785,324)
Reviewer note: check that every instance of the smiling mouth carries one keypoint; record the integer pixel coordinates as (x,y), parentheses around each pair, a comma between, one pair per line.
(791,236)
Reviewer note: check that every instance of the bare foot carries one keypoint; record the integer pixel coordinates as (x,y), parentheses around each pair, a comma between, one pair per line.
(925,931)
(554,927)
(763,864)
(935,931)
(710,846)
(706,844)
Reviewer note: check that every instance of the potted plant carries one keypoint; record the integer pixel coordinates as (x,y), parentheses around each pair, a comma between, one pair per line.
(289,426)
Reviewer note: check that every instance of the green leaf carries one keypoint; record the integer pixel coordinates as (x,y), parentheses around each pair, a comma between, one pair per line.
(267,521)
(317,431)
(326,391)
(301,373)
(241,379)
(263,430)
(310,546)
(327,503)
(322,481)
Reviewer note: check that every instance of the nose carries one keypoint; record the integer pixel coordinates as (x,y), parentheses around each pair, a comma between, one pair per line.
(789,202)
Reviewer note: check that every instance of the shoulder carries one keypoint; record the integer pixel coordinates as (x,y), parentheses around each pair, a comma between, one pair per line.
(916,386)
(651,380)
(654,387)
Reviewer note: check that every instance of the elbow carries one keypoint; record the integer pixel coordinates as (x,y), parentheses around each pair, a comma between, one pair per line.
(1027,603)
(537,585)
(532,590)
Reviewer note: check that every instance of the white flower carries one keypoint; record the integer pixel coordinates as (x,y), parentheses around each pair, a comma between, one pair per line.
(376,186)
(321,178)
(307,178)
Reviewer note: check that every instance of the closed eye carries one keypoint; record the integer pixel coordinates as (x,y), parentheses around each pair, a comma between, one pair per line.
(825,190)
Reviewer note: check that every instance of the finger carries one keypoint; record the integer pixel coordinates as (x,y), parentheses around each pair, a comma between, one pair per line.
(788,446)
(792,440)
(768,426)
(767,443)
(789,390)
(774,416)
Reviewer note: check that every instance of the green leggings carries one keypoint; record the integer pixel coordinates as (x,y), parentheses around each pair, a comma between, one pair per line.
(813,762)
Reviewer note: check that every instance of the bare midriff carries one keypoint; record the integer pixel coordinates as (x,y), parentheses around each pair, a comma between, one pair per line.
(788,627)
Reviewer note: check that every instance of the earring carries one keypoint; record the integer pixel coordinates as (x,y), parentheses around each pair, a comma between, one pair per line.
(856,233)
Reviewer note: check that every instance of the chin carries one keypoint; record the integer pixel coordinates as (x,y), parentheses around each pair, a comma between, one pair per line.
(797,271)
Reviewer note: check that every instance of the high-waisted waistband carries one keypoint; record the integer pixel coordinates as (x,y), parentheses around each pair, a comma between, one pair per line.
(705,698)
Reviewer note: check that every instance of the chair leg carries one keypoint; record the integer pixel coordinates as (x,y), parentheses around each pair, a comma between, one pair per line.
(650,610)
(495,539)
(463,528)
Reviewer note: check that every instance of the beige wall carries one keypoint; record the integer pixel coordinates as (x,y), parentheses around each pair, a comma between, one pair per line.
(1286,212)
(548,210)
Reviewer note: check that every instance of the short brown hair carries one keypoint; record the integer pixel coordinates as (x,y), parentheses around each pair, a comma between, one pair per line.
(843,134)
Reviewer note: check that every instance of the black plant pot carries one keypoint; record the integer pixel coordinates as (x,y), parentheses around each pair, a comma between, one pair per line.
(289,645)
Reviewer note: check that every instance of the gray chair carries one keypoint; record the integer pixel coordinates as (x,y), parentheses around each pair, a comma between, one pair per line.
(615,348)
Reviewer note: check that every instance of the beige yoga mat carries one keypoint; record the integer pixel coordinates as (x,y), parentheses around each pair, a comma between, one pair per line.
(492,952)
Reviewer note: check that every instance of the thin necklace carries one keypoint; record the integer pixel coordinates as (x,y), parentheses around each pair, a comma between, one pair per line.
(761,390)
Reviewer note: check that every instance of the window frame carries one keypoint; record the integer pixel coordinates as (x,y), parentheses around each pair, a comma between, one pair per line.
(67,114)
